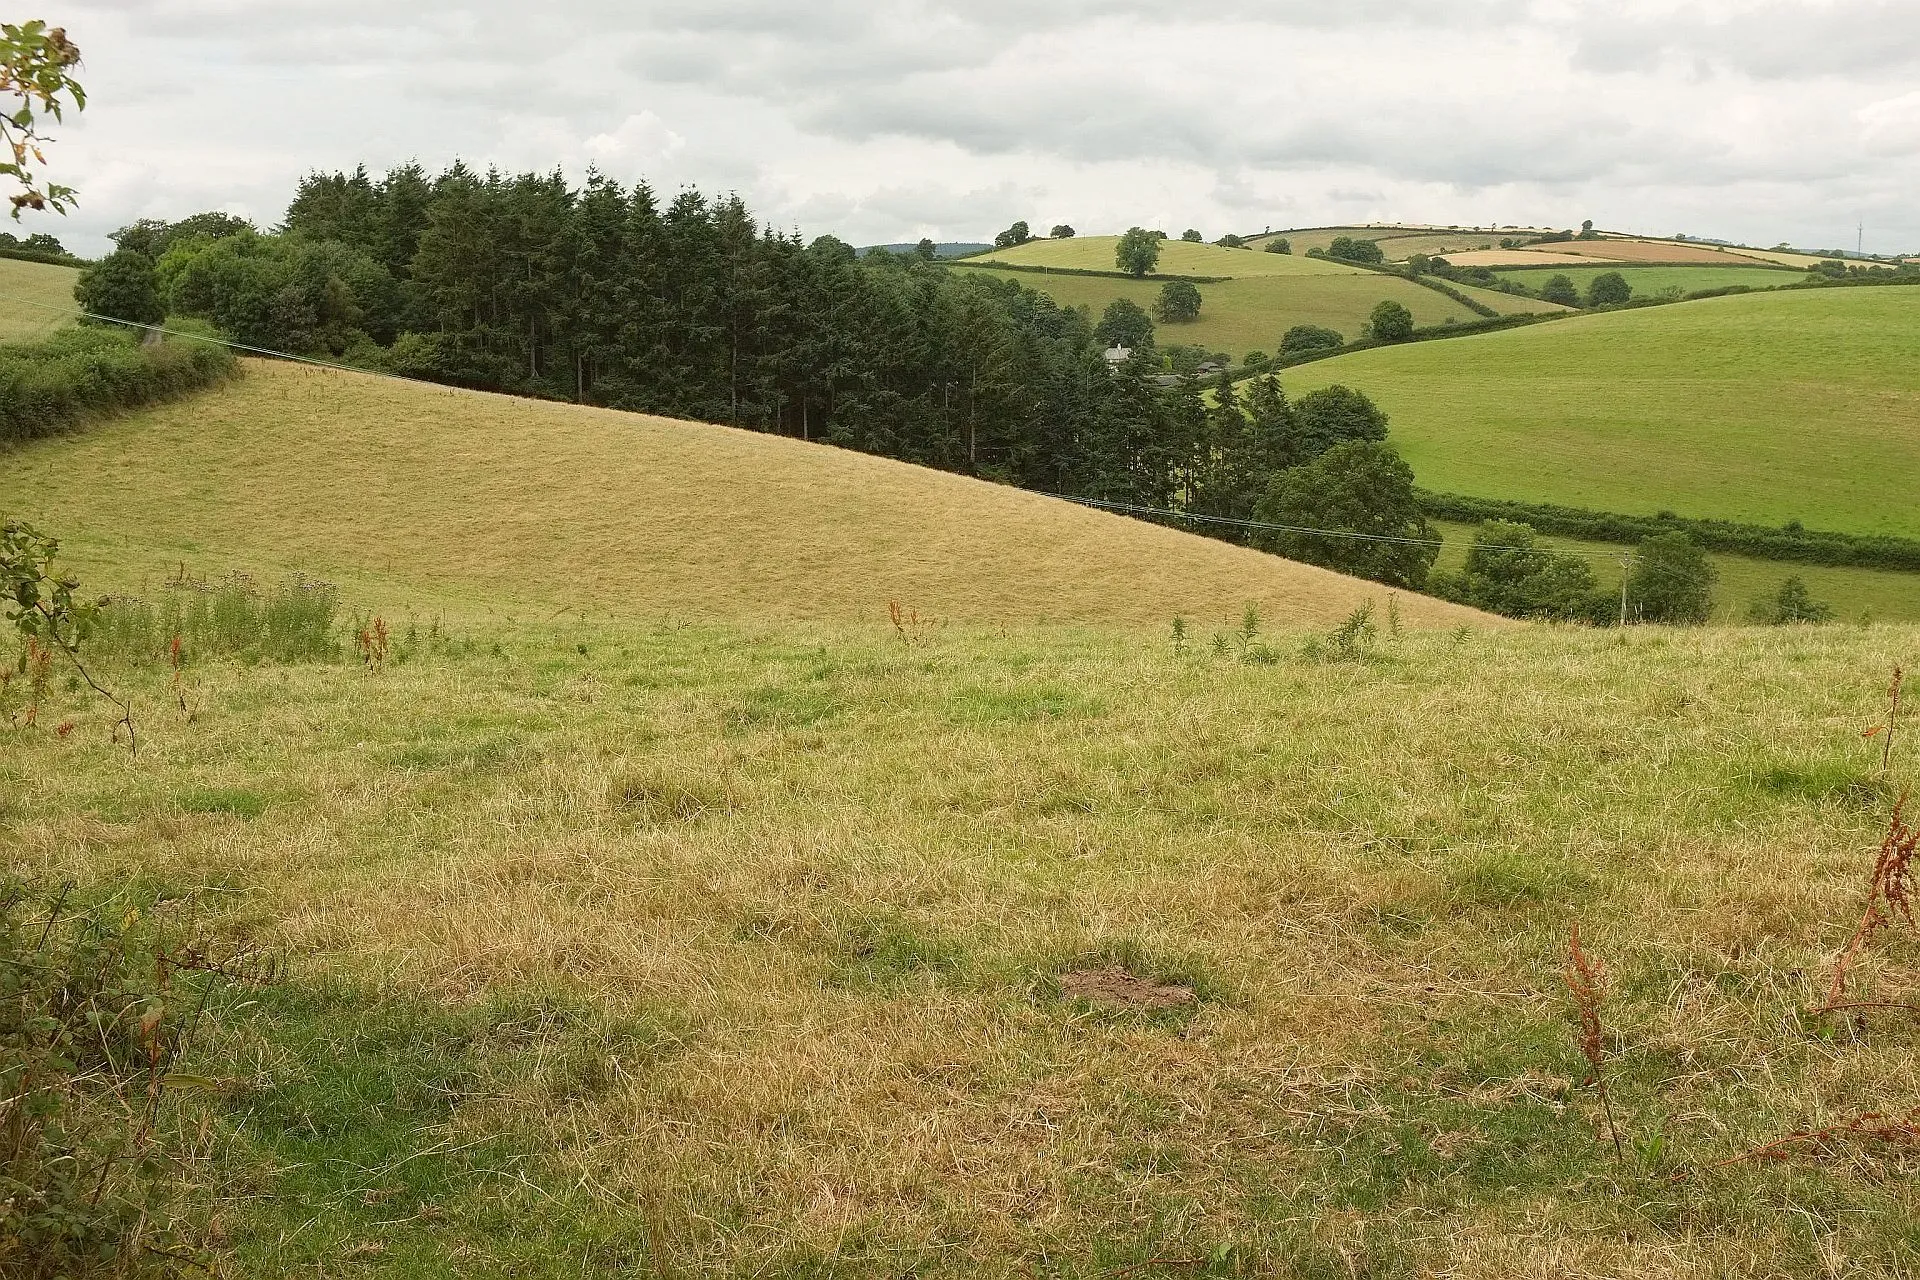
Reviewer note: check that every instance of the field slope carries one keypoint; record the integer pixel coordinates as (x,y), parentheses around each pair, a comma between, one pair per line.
(35,298)
(407,489)
(1768,407)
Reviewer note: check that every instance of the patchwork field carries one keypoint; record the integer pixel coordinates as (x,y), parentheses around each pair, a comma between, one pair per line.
(1767,407)
(1397,242)
(1648,281)
(27,290)
(1251,314)
(507,505)
(1177,258)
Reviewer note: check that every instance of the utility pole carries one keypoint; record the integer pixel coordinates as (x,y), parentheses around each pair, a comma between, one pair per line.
(1626,571)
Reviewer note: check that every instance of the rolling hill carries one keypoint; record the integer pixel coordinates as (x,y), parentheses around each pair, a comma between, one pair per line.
(405,490)
(24,284)
(1766,407)
(1262,296)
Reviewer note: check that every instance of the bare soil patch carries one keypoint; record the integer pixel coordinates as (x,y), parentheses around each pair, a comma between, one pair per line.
(1115,986)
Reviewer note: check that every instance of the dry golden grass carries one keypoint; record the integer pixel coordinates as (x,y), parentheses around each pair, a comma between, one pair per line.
(403,491)
(27,291)
(813,1022)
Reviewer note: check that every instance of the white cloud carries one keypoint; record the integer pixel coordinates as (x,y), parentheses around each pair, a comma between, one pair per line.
(883,120)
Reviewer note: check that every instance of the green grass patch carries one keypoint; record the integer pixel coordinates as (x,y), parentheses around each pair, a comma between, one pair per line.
(1763,408)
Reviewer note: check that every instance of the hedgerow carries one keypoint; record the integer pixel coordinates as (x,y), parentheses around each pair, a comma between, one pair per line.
(1788,542)
(81,374)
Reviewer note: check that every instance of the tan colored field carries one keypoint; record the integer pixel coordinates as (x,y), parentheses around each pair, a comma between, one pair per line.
(1177,258)
(1519,258)
(1398,240)
(1663,251)
(401,491)
(29,292)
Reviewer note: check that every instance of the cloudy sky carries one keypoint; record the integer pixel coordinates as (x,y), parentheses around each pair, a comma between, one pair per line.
(1754,120)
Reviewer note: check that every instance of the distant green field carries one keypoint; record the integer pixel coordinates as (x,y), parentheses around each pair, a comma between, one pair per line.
(1854,594)
(1177,258)
(1648,281)
(1764,407)
(24,283)
(1239,316)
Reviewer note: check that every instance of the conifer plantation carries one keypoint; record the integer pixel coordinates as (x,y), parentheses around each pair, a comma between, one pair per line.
(602,295)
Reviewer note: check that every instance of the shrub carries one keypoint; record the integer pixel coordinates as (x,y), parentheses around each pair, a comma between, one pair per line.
(1348,249)
(1672,580)
(121,286)
(81,374)
(1179,302)
(1560,289)
(1279,244)
(1310,337)
(1333,416)
(1608,289)
(1125,324)
(1506,573)
(1361,487)
(1138,251)
(1792,603)
(1390,322)
(91,1022)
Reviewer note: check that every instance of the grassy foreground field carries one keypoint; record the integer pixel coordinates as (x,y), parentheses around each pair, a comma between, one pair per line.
(475,503)
(1766,407)
(40,283)
(806,950)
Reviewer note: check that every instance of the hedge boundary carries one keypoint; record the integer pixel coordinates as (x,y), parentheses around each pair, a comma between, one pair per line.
(1030,269)
(51,259)
(1765,542)
(80,375)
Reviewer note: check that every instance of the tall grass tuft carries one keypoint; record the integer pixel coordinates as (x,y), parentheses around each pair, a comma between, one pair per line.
(233,618)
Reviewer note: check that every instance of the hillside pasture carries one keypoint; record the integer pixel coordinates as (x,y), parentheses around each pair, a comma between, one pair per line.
(470,499)
(1763,408)
(1396,240)
(35,299)
(1251,314)
(1497,258)
(1648,281)
(1177,258)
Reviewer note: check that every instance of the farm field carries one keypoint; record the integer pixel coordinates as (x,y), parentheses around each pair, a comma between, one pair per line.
(1854,594)
(760,949)
(477,499)
(658,904)
(40,283)
(1765,408)
(1397,242)
(1177,258)
(1647,281)
(1251,314)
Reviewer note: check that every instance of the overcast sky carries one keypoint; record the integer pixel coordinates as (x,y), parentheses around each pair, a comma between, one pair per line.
(1753,120)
